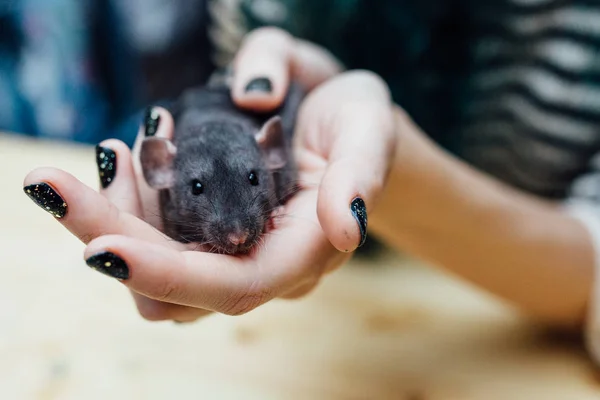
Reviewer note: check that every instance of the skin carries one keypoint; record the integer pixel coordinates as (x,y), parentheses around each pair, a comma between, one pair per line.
(521,248)
(350,140)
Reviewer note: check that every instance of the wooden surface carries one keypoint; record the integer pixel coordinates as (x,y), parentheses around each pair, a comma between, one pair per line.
(386,330)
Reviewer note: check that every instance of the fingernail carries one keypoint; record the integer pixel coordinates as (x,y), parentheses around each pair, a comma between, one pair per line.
(109,264)
(260,85)
(107,165)
(47,198)
(359,211)
(151,121)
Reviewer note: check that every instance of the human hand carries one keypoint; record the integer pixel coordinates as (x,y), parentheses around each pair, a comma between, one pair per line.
(336,123)
(345,146)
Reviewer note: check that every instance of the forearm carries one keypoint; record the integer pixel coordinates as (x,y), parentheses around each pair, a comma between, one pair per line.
(514,245)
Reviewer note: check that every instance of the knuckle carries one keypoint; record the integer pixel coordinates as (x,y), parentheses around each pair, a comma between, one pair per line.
(269,33)
(86,237)
(311,273)
(152,311)
(335,263)
(243,303)
(165,290)
(361,116)
(113,215)
(377,117)
(299,292)
(367,76)
(351,108)
(362,86)
(309,283)
(100,224)
(377,184)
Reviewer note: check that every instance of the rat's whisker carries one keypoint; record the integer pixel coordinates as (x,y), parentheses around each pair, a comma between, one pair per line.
(304,219)
(202,215)
(262,243)
(212,205)
(174,221)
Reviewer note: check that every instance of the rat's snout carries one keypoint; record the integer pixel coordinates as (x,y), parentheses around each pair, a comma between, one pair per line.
(236,233)
(239,237)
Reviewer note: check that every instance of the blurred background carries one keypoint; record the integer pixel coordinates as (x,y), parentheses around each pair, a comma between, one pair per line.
(81,70)
(75,72)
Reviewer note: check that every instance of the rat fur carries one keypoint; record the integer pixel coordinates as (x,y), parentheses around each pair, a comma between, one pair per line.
(226,170)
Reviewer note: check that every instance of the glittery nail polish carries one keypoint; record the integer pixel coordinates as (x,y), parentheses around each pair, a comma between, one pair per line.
(151,121)
(259,85)
(359,211)
(47,198)
(107,165)
(109,264)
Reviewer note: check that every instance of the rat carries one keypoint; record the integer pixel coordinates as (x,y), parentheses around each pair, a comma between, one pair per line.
(226,171)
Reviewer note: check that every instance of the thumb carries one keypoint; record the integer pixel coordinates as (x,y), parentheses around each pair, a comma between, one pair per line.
(268,58)
(357,172)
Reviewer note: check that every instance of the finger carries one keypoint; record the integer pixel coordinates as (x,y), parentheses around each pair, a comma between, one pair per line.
(117,176)
(154,310)
(358,165)
(312,65)
(82,210)
(262,69)
(208,281)
(298,253)
(225,284)
(157,122)
(266,61)
(299,292)
(117,184)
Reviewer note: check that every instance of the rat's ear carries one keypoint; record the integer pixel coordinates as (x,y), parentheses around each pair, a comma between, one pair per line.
(156,158)
(271,141)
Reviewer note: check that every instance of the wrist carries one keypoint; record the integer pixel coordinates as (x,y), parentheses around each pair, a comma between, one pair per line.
(515,245)
(433,199)
(419,174)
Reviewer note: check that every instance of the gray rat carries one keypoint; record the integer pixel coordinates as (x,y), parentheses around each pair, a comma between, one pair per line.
(225,171)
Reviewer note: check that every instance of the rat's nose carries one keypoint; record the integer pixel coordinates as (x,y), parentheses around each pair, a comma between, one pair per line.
(238,238)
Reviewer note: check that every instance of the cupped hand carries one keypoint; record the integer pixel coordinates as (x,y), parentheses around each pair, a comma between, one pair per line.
(345,145)
(345,133)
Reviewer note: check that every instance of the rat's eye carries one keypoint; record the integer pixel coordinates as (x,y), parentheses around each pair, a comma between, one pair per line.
(197,187)
(253,178)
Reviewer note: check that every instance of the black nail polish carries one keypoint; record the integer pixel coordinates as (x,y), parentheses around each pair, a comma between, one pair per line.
(107,165)
(151,121)
(109,264)
(359,211)
(47,198)
(260,85)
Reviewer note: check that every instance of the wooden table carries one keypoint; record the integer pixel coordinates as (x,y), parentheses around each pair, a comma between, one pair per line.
(386,330)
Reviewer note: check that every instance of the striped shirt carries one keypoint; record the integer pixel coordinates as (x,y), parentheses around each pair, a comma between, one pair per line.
(511,86)
(532,112)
